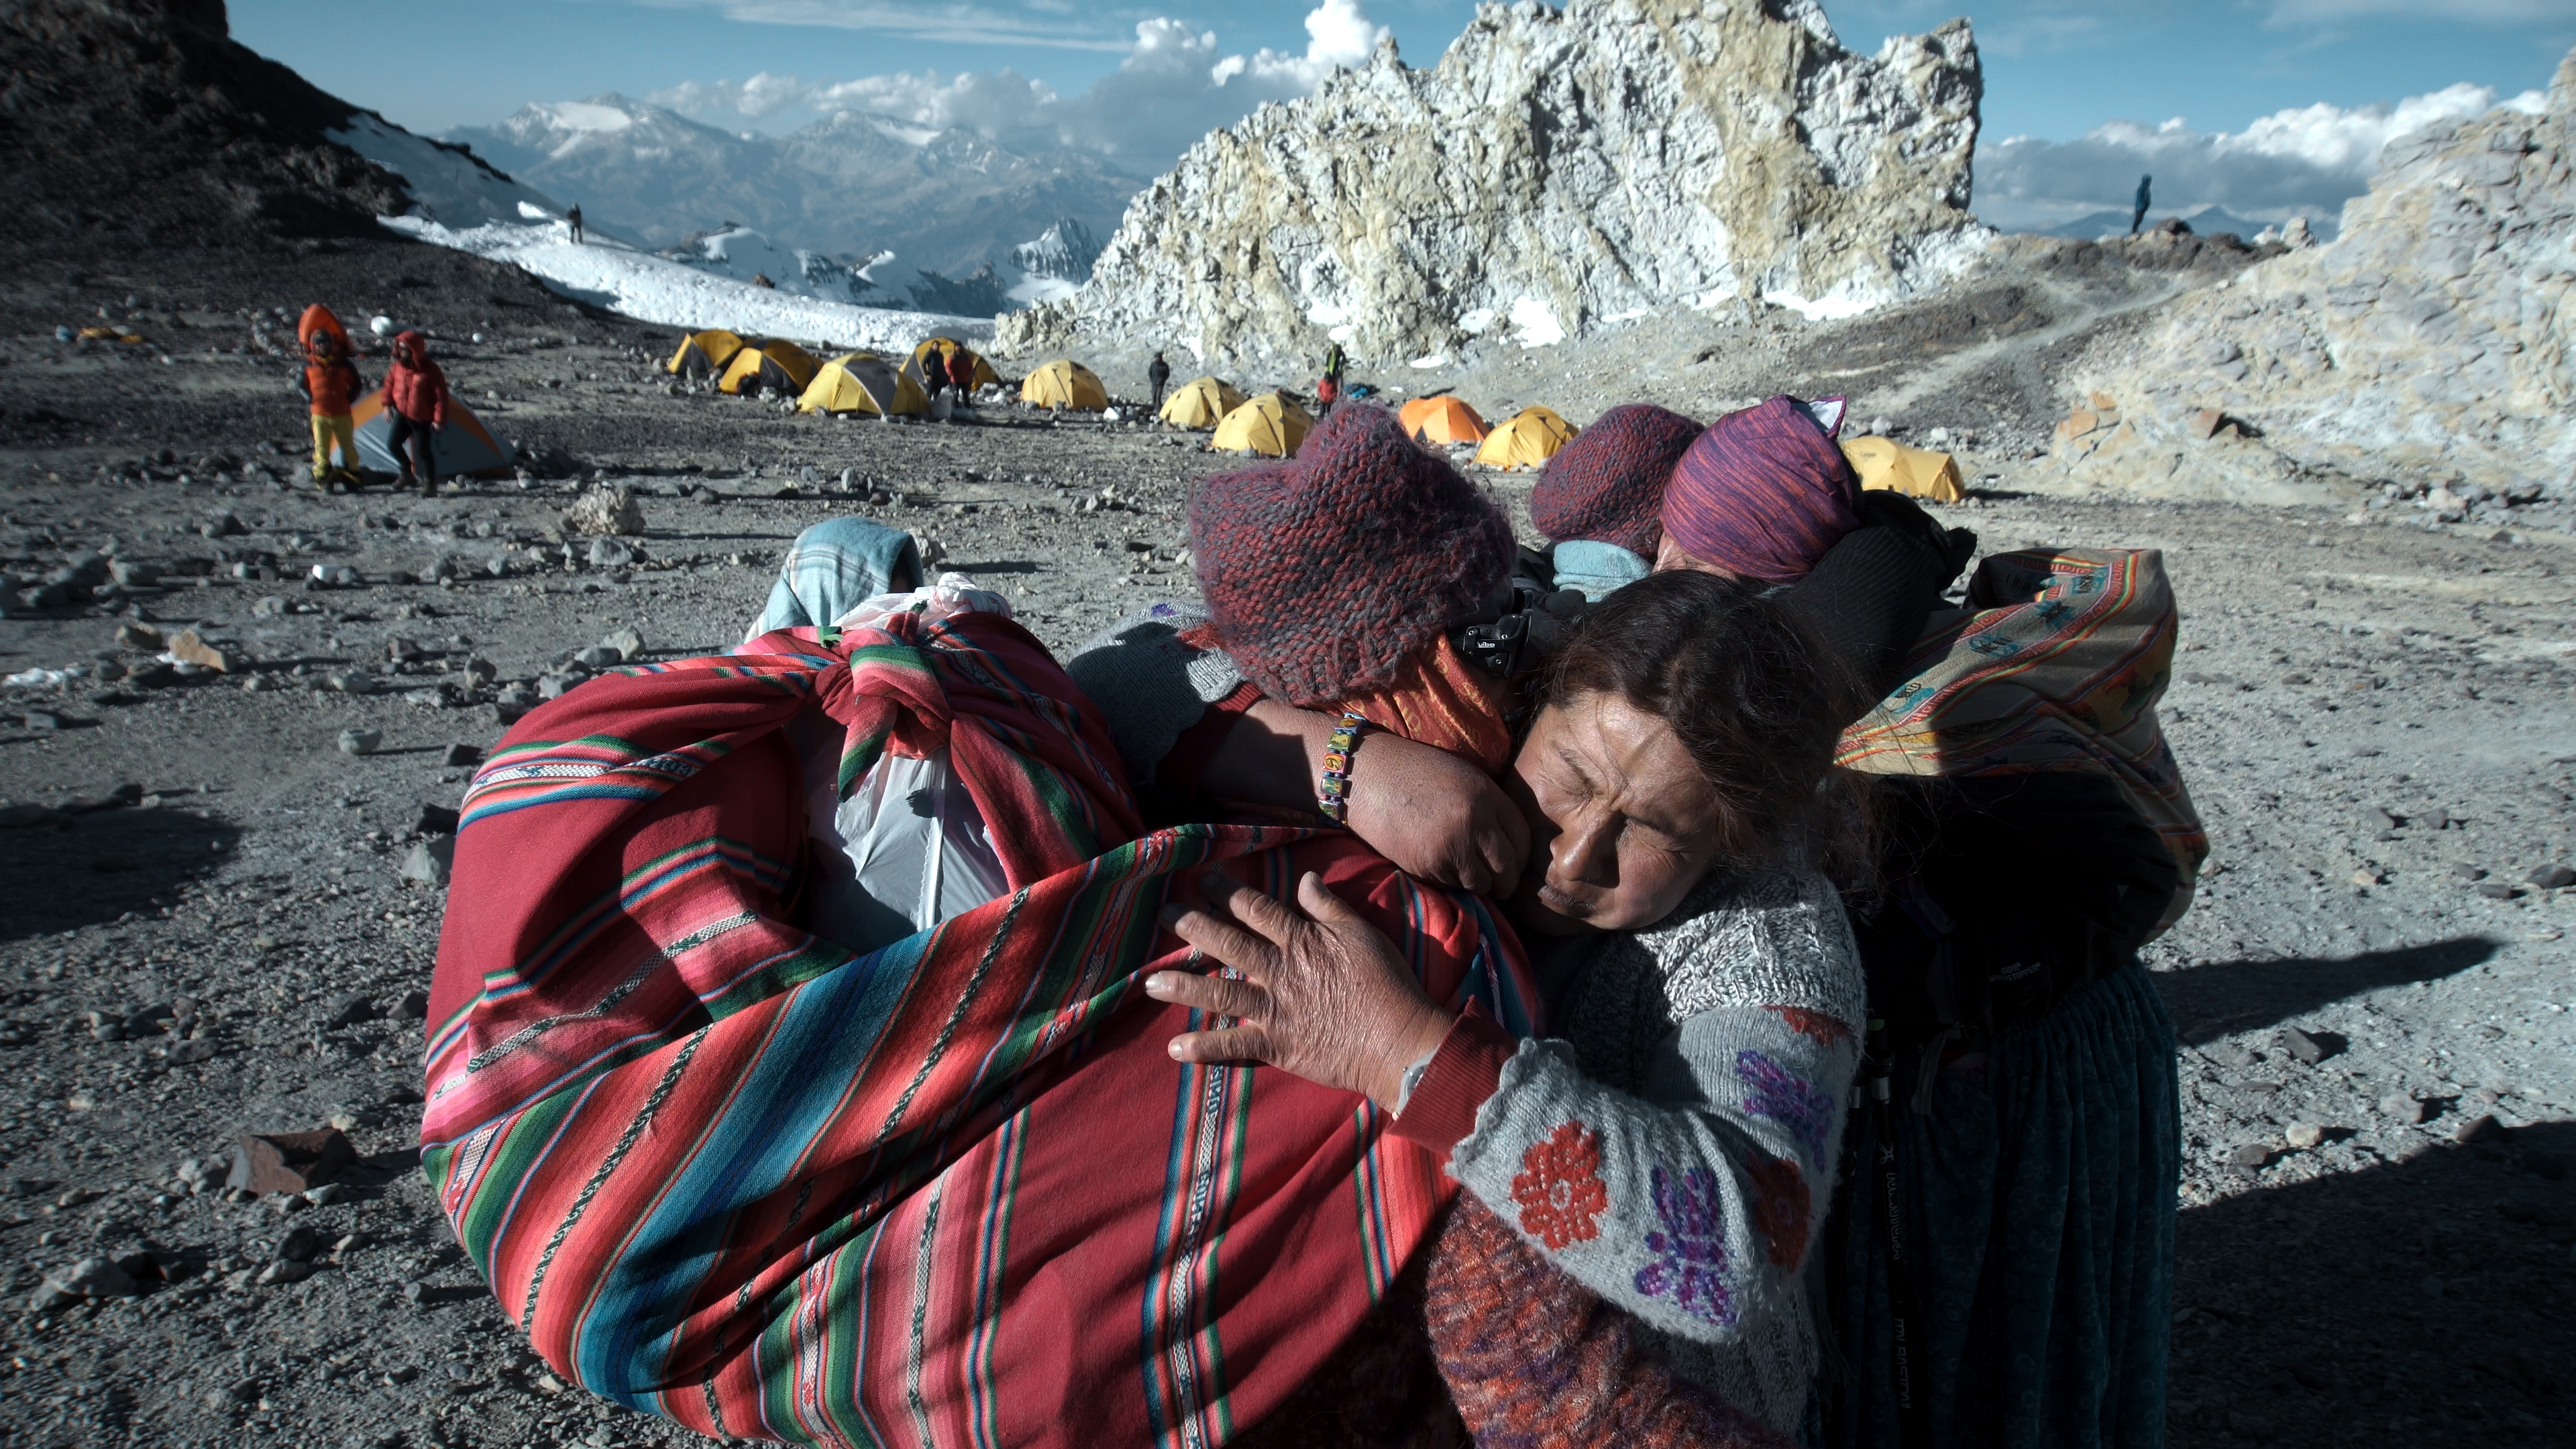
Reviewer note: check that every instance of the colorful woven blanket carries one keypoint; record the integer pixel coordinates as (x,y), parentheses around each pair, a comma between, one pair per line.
(951,1193)
(2056,665)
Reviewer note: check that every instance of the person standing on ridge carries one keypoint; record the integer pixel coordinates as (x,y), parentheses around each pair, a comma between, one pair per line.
(572,219)
(2138,217)
(1158,375)
(416,391)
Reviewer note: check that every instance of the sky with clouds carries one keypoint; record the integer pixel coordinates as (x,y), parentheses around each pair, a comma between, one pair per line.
(2267,107)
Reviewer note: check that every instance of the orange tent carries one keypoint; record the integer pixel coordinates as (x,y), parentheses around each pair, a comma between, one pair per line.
(1442,420)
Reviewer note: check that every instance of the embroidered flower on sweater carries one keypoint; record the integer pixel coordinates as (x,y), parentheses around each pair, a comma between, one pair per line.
(1816,1024)
(1806,1109)
(1559,1188)
(1691,1255)
(1781,1205)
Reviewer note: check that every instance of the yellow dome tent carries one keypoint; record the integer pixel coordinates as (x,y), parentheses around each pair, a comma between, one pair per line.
(1526,440)
(704,354)
(1886,463)
(946,347)
(1442,421)
(1201,403)
(1269,424)
(862,382)
(773,366)
(1064,383)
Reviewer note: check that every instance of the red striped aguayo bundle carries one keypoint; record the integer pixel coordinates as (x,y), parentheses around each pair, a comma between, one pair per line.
(2057,666)
(954,1192)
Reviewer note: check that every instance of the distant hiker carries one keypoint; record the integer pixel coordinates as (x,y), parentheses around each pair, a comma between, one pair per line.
(572,219)
(331,384)
(934,373)
(1333,365)
(761,279)
(416,391)
(2138,217)
(961,374)
(1158,374)
(1328,391)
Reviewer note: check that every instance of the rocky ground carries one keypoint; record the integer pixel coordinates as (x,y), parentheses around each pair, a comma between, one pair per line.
(208,927)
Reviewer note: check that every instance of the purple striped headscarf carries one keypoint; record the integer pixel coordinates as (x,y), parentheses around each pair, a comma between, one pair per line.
(1763,493)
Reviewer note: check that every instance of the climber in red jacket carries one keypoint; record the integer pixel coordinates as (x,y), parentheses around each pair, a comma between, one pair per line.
(417,392)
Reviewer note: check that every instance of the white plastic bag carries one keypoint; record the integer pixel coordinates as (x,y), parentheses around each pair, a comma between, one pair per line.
(907,849)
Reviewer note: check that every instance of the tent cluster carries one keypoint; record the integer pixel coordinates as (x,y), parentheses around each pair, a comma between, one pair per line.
(864,383)
(1526,439)
(1272,424)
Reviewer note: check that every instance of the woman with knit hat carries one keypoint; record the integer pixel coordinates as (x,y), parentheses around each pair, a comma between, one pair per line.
(1670,772)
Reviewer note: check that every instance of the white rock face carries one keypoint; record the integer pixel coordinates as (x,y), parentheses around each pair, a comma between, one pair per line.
(1556,169)
(2429,344)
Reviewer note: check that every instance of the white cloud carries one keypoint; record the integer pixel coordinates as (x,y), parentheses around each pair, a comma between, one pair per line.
(2304,161)
(1174,85)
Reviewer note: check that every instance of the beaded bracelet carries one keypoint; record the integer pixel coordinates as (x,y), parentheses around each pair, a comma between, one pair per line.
(1333,791)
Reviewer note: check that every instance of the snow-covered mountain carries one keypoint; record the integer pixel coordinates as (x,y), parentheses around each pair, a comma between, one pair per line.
(943,218)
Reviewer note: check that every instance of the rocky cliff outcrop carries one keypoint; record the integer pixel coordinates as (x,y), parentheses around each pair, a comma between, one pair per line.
(143,119)
(2429,345)
(1557,168)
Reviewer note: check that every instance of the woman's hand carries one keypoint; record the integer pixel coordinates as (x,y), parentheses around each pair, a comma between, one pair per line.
(1324,995)
(1436,817)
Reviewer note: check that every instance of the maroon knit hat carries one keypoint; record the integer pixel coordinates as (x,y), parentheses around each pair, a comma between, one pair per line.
(1608,484)
(1324,573)
(1763,493)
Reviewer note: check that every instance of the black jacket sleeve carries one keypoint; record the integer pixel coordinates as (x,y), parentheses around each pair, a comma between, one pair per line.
(1868,597)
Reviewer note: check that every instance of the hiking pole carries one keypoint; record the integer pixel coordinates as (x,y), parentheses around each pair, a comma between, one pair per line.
(1905,1366)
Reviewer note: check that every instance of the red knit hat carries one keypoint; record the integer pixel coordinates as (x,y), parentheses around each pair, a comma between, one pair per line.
(1324,573)
(1608,484)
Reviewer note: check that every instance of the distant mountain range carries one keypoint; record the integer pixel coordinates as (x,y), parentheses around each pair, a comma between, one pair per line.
(2207,221)
(941,220)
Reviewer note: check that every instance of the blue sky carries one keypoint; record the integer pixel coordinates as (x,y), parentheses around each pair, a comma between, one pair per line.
(2057,70)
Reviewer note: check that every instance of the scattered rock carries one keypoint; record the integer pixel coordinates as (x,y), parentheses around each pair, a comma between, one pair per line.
(2402,1108)
(434,819)
(139,636)
(2553,877)
(429,862)
(2309,1050)
(599,656)
(271,606)
(361,742)
(298,1246)
(414,1006)
(188,1053)
(2303,1135)
(350,681)
(605,511)
(352,1009)
(608,553)
(628,643)
(283,1272)
(93,1278)
(289,1162)
(461,756)
(2481,1128)
(2252,1154)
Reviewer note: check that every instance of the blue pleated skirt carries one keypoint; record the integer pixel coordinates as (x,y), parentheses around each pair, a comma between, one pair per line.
(2039,1203)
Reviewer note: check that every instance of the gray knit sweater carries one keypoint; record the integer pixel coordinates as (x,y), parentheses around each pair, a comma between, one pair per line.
(1674,1146)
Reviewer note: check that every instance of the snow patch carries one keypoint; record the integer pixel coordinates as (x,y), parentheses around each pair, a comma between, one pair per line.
(673,293)
(1822,309)
(450,187)
(1436,359)
(1534,323)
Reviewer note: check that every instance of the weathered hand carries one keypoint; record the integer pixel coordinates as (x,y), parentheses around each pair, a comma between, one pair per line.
(1436,817)
(1323,994)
